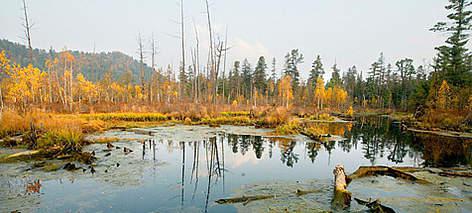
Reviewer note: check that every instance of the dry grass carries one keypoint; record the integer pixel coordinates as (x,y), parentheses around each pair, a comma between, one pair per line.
(447,120)
(274,118)
(44,130)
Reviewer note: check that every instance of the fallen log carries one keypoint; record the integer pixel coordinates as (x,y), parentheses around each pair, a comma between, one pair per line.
(375,206)
(365,171)
(446,172)
(244,199)
(342,197)
(300,192)
(28,153)
(455,174)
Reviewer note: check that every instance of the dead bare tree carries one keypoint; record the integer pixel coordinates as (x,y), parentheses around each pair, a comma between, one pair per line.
(219,54)
(212,59)
(27,26)
(182,37)
(154,70)
(141,60)
(224,61)
(196,64)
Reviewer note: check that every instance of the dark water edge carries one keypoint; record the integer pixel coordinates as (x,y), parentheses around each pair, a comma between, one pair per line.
(185,169)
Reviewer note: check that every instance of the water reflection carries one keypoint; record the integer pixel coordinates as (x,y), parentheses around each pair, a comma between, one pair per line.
(166,175)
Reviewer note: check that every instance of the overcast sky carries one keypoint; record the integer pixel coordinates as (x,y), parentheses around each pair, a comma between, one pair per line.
(350,32)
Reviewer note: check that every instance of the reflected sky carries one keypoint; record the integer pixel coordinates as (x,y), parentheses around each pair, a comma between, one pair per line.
(166,175)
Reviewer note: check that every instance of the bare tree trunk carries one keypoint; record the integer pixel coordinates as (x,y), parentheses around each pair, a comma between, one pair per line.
(224,61)
(183,45)
(1,100)
(141,60)
(70,86)
(212,59)
(153,66)
(27,27)
(196,64)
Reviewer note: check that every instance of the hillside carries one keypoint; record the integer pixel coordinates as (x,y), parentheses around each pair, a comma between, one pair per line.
(92,65)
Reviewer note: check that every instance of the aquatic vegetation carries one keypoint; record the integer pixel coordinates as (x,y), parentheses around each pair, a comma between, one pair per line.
(235,114)
(322,117)
(140,117)
(291,128)
(237,120)
(68,140)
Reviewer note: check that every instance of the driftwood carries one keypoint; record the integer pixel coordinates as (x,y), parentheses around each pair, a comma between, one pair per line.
(29,153)
(452,134)
(300,192)
(446,172)
(342,197)
(365,171)
(375,206)
(455,174)
(244,199)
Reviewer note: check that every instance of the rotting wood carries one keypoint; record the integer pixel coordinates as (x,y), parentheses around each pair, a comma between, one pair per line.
(342,197)
(375,206)
(365,171)
(244,199)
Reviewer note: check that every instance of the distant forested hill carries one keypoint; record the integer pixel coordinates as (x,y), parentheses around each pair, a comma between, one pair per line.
(92,65)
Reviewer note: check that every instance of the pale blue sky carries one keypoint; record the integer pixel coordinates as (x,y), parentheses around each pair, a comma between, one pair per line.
(353,32)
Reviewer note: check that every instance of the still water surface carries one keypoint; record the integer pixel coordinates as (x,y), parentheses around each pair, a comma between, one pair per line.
(185,169)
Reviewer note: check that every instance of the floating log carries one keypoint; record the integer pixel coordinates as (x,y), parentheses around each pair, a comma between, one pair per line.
(342,197)
(244,199)
(375,206)
(29,153)
(365,171)
(445,133)
(455,174)
(300,192)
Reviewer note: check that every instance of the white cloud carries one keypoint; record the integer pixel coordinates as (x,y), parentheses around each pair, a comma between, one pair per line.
(241,49)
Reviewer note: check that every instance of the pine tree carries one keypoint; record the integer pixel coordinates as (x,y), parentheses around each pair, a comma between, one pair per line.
(454,57)
(316,71)
(247,78)
(292,60)
(260,76)
(335,77)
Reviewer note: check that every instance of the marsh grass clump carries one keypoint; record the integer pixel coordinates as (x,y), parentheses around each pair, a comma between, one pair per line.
(12,124)
(67,140)
(235,114)
(138,117)
(49,132)
(322,117)
(291,128)
(224,120)
(274,118)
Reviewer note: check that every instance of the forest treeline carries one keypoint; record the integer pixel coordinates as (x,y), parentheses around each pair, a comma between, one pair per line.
(75,79)
(92,65)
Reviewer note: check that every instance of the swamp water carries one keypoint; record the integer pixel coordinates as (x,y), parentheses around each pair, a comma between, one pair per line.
(188,168)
